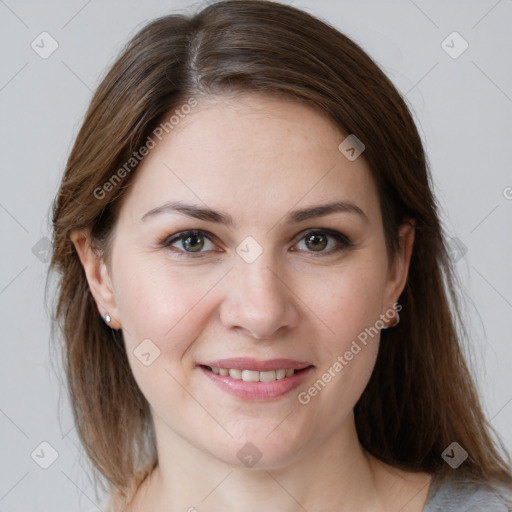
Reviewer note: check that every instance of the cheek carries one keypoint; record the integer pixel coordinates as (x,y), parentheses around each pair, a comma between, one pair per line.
(348,300)
(158,306)
(349,304)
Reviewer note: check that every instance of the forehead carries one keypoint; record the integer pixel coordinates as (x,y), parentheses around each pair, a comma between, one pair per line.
(251,154)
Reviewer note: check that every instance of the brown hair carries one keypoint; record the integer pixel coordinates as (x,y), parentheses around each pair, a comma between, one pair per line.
(421,396)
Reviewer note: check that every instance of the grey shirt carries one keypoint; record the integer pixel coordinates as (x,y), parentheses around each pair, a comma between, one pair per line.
(455,494)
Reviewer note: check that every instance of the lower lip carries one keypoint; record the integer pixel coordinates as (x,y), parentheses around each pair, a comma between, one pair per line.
(258,391)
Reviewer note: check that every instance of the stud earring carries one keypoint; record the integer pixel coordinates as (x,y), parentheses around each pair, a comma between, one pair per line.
(397,320)
(107,318)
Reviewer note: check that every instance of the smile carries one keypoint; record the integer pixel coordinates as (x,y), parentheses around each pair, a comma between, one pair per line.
(252,375)
(252,380)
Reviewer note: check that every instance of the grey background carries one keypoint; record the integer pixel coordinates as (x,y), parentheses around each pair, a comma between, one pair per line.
(463,108)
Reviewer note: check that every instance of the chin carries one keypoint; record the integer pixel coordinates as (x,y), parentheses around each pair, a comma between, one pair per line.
(260,451)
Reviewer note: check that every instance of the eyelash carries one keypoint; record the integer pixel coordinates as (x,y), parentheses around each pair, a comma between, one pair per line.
(343,241)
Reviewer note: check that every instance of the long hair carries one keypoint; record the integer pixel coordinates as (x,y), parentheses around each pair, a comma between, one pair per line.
(421,396)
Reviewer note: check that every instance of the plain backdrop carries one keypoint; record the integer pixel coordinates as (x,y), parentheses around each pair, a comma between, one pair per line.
(461,99)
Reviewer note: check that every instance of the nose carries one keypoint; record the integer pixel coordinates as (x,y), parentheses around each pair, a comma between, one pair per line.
(258,300)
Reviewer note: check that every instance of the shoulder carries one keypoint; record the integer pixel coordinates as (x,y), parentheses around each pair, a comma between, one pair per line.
(464,494)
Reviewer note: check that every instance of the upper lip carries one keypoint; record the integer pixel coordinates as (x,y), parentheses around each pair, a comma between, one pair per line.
(247,363)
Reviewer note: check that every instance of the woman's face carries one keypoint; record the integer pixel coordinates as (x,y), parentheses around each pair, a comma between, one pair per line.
(279,281)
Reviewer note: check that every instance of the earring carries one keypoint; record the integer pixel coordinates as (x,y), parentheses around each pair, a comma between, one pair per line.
(397,321)
(107,318)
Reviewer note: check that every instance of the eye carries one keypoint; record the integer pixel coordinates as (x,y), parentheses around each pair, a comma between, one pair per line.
(318,240)
(190,241)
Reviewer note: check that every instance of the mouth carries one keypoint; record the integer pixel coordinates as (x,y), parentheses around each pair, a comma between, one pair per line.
(254,375)
(253,380)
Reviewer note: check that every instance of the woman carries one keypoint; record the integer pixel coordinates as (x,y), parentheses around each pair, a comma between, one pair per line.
(255,291)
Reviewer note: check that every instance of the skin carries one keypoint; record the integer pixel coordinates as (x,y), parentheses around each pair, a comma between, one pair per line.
(256,158)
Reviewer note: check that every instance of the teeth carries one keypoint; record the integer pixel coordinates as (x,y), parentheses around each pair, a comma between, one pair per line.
(235,374)
(254,376)
(248,375)
(267,376)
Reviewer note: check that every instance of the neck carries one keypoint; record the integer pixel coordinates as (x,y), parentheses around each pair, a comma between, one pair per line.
(338,475)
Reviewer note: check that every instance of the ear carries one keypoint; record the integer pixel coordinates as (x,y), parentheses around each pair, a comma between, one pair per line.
(399,268)
(97,275)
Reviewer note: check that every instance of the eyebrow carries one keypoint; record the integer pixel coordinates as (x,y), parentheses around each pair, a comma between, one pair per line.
(294,217)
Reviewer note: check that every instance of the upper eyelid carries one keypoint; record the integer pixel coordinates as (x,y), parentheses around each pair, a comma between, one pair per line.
(189,232)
